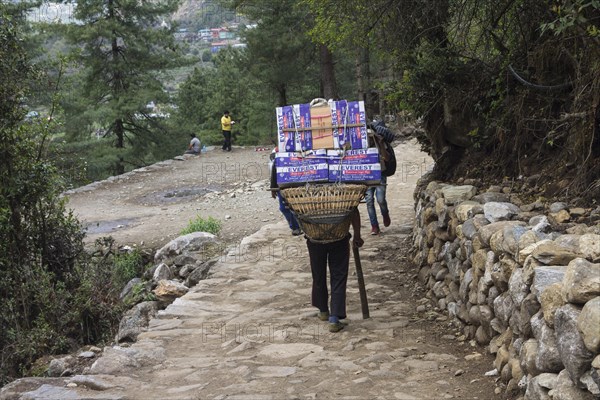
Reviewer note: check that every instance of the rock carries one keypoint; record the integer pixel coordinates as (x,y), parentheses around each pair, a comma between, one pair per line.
(527,357)
(183,259)
(516,287)
(589,247)
(511,238)
(588,324)
(528,238)
(539,223)
(560,217)
(457,194)
(551,299)
(486,231)
(136,320)
(551,253)
(487,197)
(471,226)
(535,391)
(547,358)
(547,380)
(569,241)
(467,209)
(502,358)
(187,243)
(591,382)
(558,206)
(128,288)
(529,307)
(581,282)
(168,290)
(163,271)
(529,249)
(566,390)
(545,276)
(575,356)
(504,307)
(495,211)
(464,284)
(86,354)
(60,366)
(199,273)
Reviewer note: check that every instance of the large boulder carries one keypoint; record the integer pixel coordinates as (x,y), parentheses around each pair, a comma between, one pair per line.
(565,389)
(589,247)
(169,290)
(551,299)
(486,231)
(545,276)
(548,358)
(588,324)
(496,211)
(136,320)
(456,194)
(575,356)
(582,281)
(187,243)
(467,209)
(552,253)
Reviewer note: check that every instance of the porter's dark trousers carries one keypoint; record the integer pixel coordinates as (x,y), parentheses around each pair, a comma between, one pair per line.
(337,254)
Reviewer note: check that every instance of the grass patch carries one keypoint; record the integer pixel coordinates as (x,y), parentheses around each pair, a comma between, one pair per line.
(200,224)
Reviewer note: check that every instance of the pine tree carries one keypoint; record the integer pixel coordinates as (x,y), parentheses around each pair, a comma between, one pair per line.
(123,45)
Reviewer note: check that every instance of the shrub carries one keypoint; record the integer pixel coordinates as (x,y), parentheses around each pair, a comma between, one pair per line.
(200,224)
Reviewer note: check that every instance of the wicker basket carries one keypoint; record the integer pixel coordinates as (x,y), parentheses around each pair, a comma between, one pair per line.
(324,211)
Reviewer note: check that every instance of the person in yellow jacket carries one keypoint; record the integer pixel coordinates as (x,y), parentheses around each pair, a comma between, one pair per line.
(226,123)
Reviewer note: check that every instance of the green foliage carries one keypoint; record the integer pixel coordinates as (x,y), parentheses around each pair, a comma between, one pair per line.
(200,224)
(123,48)
(139,293)
(52,294)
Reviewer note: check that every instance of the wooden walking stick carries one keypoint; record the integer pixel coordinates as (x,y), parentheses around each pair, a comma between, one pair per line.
(364,304)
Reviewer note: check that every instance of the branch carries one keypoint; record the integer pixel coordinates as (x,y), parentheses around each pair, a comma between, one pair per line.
(563,86)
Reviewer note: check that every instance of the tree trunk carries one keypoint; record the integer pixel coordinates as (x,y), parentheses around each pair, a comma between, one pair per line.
(328,83)
(282,94)
(363,79)
(120,134)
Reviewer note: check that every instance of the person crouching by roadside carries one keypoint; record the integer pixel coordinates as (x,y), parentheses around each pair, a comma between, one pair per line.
(194,146)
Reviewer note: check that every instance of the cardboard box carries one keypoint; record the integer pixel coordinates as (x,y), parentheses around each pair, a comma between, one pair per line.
(320,117)
(356,115)
(356,169)
(302,120)
(359,156)
(286,141)
(339,117)
(336,125)
(293,169)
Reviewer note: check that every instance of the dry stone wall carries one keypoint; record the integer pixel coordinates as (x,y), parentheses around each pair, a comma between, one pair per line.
(521,279)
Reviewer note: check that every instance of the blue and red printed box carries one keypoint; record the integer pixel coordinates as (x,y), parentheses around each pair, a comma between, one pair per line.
(293,118)
(292,168)
(291,121)
(357,166)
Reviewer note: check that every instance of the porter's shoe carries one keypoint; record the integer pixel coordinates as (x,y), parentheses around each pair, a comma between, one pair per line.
(386,220)
(335,325)
(375,230)
(297,232)
(323,315)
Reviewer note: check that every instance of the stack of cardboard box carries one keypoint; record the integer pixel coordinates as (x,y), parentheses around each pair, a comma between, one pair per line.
(325,143)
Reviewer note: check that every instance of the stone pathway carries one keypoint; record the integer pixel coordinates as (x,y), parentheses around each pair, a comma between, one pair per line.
(249,332)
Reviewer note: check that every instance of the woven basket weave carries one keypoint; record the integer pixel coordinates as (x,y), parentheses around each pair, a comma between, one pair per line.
(324,211)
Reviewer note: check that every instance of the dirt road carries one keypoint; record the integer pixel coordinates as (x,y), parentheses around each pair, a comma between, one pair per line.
(248,331)
(150,206)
